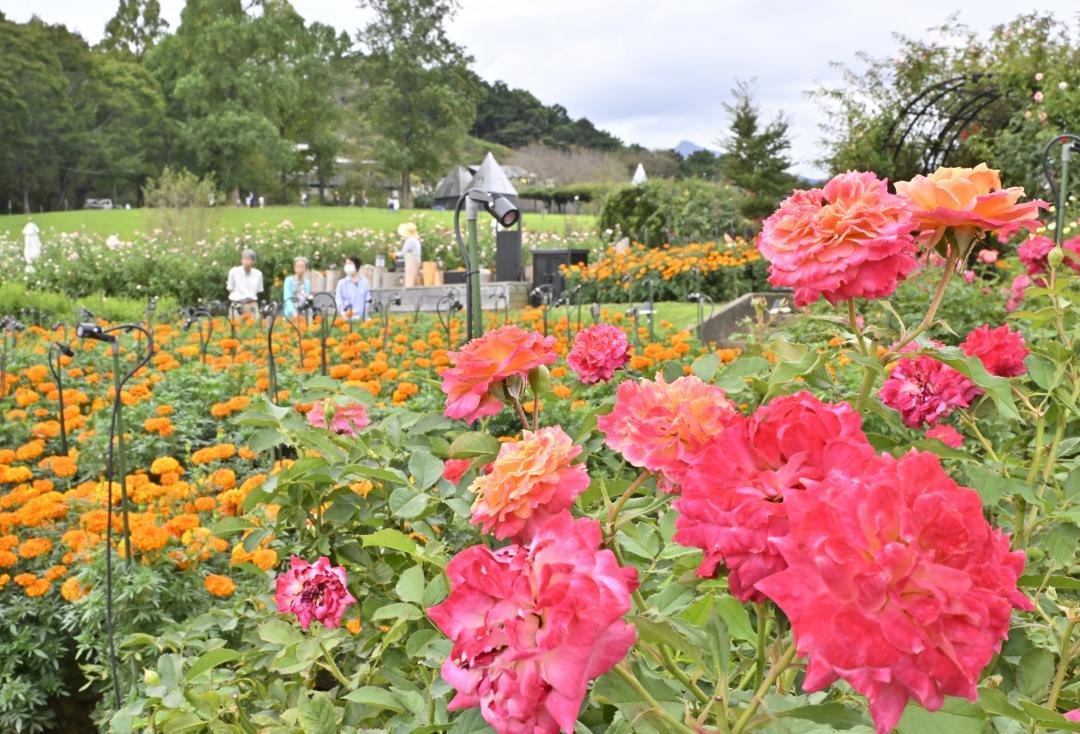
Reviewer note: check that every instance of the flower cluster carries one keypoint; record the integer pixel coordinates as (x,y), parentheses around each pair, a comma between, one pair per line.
(533,623)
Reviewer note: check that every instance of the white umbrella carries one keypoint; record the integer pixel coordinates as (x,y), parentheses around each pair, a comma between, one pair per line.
(31,242)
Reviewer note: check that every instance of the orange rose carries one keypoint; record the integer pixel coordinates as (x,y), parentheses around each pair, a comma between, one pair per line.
(970,200)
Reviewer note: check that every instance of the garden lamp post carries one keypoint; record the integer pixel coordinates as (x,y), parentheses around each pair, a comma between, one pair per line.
(701,299)
(270,313)
(507,215)
(544,292)
(199,316)
(8,328)
(326,307)
(1060,189)
(648,308)
(57,351)
(632,312)
(452,304)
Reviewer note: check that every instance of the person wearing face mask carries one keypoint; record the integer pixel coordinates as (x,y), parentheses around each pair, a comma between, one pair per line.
(353,290)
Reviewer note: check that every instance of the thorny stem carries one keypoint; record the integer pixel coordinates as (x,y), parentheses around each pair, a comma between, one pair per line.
(853,319)
(520,412)
(1063,664)
(613,513)
(631,680)
(332,666)
(683,678)
(762,627)
(780,666)
(928,319)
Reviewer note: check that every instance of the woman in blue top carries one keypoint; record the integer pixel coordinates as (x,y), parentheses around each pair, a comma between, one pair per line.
(353,291)
(297,287)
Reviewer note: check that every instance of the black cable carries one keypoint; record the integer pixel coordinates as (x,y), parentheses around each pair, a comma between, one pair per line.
(468,267)
(109,474)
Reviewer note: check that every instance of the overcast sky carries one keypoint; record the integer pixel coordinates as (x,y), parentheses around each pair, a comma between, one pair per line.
(657,72)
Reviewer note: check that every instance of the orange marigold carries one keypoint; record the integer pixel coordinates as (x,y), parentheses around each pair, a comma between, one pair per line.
(219,585)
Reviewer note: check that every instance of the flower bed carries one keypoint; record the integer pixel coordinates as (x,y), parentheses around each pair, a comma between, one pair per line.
(865,520)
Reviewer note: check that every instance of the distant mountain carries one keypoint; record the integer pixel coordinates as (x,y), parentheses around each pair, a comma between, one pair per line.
(686,148)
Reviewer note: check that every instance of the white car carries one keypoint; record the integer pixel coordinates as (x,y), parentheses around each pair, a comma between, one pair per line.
(99,203)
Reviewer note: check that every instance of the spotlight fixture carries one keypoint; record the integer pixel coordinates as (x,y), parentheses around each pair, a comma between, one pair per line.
(90,330)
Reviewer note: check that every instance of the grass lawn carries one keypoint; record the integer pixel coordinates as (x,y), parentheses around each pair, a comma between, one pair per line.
(125,222)
(681,315)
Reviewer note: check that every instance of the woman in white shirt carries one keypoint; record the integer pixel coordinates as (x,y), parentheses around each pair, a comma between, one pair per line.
(411,248)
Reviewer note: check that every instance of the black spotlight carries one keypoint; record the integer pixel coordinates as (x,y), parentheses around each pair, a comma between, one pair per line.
(504,211)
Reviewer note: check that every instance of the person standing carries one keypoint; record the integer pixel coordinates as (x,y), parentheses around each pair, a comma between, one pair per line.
(303,199)
(31,243)
(353,290)
(410,252)
(245,284)
(297,287)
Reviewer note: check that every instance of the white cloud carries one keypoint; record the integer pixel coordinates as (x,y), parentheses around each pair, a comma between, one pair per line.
(653,72)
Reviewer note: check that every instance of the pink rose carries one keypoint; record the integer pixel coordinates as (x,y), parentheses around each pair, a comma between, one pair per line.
(454,469)
(313,591)
(925,391)
(1033,253)
(485,363)
(896,583)
(969,276)
(598,352)
(532,624)
(663,426)
(346,419)
(529,481)
(732,501)
(850,239)
(1016,292)
(1001,350)
(947,435)
(988,256)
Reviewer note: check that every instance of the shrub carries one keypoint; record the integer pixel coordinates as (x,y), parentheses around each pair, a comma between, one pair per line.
(663,211)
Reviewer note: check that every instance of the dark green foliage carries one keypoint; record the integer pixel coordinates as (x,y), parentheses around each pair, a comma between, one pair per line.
(663,211)
(515,117)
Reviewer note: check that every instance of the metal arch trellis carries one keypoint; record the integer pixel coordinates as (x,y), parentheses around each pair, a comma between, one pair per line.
(936,118)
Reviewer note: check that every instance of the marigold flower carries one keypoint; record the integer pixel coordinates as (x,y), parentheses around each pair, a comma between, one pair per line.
(347,419)
(895,582)
(663,426)
(486,362)
(598,352)
(166,465)
(850,239)
(970,200)
(219,585)
(530,480)
(264,558)
(313,591)
(72,590)
(533,624)
(1001,350)
(35,547)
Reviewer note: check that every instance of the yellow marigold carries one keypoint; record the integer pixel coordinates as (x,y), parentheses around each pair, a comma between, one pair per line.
(264,558)
(219,585)
(56,572)
(25,579)
(166,465)
(224,479)
(35,547)
(4,579)
(72,590)
(353,625)
(149,537)
(205,504)
(8,559)
(38,588)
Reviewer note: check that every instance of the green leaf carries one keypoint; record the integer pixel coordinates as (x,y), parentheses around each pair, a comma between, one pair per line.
(410,587)
(997,388)
(736,618)
(279,632)
(264,439)
(378,698)
(183,721)
(474,445)
(407,503)
(1043,372)
(1034,672)
(229,525)
(211,659)
(706,366)
(390,538)
(1072,484)
(833,714)
(956,716)
(1057,582)
(397,610)
(425,468)
(317,715)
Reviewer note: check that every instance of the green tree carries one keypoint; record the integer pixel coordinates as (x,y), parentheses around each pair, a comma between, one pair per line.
(701,164)
(247,85)
(755,155)
(136,27)
(420,102)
